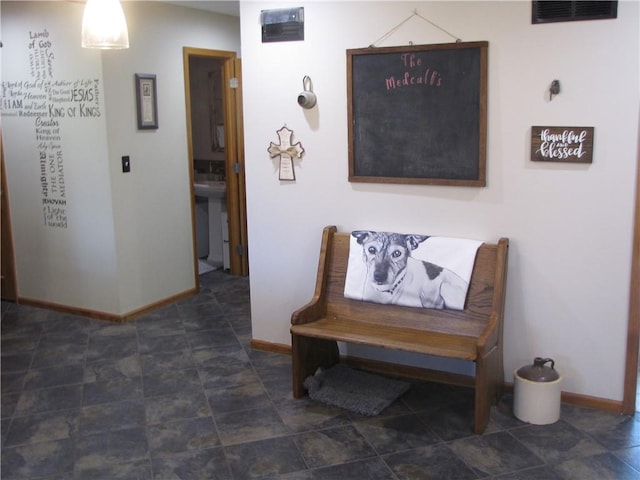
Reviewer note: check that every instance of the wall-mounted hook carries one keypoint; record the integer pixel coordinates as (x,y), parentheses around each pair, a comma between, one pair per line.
(307,99)
(554,89)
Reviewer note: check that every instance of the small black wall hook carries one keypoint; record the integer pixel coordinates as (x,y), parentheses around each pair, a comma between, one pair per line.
(554,89)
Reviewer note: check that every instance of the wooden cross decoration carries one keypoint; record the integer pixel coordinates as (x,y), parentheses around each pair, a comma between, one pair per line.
(286,152)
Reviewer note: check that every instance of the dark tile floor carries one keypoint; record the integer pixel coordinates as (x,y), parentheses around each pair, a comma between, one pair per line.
(179,394)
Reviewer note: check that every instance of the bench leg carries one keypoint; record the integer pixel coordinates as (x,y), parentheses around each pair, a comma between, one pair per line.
(489,382)
(307,354)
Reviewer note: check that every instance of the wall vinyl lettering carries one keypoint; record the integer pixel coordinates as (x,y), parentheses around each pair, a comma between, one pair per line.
(54,104)
(562,144)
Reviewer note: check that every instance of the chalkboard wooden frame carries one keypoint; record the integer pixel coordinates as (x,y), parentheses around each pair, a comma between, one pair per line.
(418,114)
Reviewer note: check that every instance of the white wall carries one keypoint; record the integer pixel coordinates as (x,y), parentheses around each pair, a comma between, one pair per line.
(128,242)
(152,203)
(570,225)
(74,263)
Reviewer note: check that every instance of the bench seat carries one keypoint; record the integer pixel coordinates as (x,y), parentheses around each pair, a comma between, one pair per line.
(473,334)
(387,336)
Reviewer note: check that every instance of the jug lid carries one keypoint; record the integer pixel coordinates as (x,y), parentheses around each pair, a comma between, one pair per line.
(538,372)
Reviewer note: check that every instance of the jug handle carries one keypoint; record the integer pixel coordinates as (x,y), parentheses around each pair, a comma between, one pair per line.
(539,361)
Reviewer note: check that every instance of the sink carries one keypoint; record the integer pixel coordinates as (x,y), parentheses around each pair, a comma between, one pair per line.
(215,192)
(210,188)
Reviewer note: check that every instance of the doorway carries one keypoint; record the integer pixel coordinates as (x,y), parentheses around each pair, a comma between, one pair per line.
(9,284)
(631,394)
(221,155)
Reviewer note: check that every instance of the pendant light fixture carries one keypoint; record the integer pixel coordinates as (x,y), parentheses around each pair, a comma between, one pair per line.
(104,25)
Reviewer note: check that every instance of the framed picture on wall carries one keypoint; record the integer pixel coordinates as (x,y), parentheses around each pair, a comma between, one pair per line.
(147,101)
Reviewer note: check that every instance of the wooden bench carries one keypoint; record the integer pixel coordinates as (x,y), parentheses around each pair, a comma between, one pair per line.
(473,334)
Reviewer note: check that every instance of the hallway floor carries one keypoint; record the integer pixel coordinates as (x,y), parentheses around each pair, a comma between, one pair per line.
(179,394)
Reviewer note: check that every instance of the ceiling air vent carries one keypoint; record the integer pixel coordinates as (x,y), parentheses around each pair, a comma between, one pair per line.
(571,10)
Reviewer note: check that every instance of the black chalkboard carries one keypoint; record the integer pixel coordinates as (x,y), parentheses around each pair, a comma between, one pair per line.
(417,114)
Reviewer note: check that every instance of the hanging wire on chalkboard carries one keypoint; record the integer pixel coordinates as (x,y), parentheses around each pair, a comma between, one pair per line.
(414,14)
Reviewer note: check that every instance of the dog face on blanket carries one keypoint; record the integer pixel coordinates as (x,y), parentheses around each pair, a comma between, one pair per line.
(392,274)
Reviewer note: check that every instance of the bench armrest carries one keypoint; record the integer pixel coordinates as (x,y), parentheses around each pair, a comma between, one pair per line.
(311,312)
(316,307)
(490,335)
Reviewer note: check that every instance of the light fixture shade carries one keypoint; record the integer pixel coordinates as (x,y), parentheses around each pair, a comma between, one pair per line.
(104,25)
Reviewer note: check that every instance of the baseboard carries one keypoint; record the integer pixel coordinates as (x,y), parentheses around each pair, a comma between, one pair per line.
(271,347)
(159,304)
(97,315)
(580,400)
(425,374)
(386,368)
(72,310)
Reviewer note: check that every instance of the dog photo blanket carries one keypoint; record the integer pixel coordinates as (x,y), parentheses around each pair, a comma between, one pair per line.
(409,269)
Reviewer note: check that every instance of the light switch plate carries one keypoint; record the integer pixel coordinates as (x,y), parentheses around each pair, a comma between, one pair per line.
(126,165)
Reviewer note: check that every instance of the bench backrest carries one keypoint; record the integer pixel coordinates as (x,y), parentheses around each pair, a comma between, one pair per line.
(485,296)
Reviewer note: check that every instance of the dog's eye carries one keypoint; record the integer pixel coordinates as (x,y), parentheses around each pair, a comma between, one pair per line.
(372,250)
(396,254)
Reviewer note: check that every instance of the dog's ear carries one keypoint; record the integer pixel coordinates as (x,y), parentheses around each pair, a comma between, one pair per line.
(361,235)
(413,241)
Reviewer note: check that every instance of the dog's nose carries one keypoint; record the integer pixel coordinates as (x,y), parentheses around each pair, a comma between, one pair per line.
(379,277)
